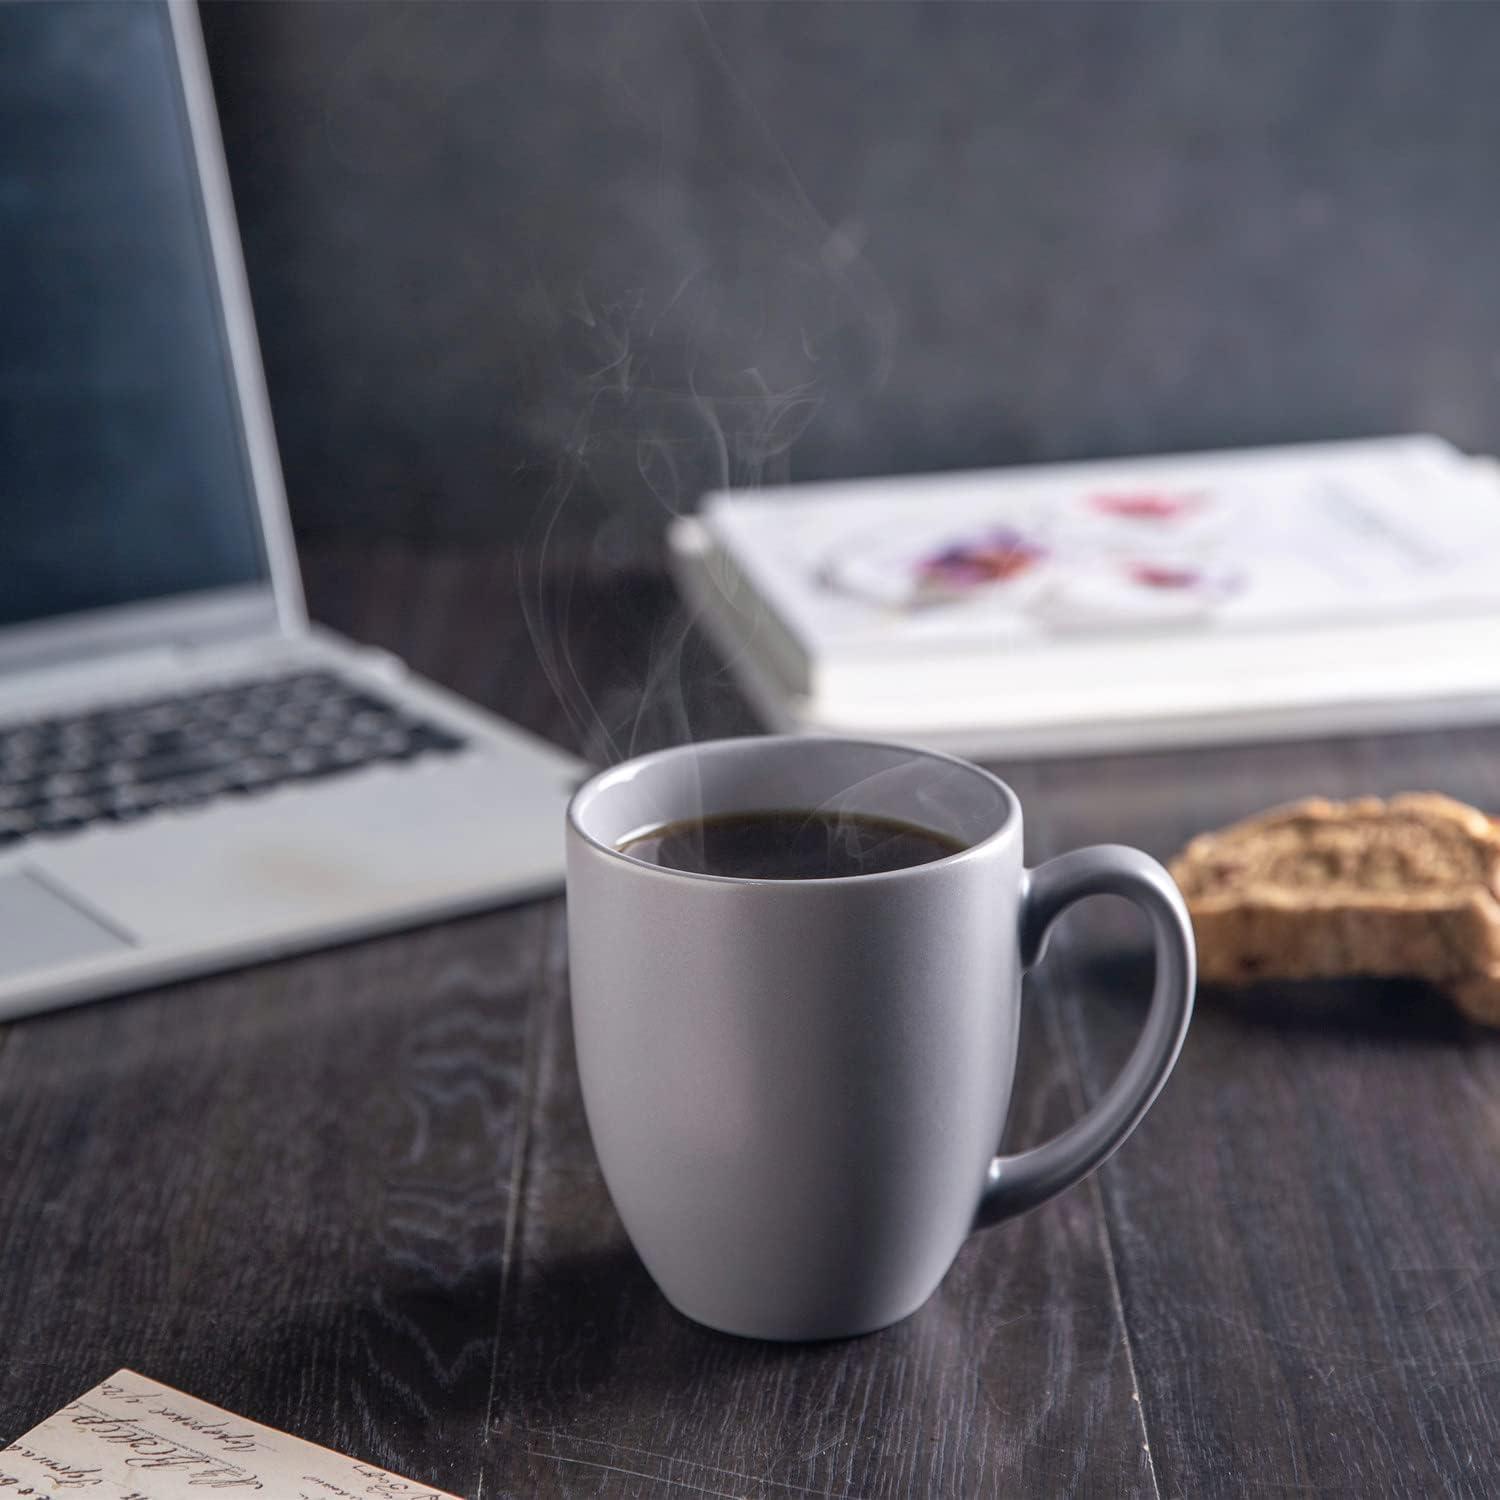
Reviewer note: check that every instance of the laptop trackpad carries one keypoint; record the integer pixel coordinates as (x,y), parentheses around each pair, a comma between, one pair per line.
(40,927)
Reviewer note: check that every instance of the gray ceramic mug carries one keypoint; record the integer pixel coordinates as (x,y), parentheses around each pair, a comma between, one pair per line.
(796,1087)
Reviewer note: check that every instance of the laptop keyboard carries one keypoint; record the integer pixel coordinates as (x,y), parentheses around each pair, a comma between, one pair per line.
(125,761)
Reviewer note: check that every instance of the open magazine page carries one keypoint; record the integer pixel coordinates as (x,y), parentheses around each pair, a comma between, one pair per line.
(1288,538)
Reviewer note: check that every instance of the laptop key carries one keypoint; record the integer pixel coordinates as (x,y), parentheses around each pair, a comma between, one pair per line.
(426,737)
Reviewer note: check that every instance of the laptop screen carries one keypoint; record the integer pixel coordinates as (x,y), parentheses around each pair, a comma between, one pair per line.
(123,471)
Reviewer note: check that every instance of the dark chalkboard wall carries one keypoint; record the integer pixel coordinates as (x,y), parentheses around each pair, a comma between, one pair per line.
(514,262)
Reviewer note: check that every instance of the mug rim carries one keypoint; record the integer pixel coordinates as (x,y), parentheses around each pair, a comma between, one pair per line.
(600,781)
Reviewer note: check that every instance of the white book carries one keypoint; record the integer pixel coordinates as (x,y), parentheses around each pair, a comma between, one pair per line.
(1114,604)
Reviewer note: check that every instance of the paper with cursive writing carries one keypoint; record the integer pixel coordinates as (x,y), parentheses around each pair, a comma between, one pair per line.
(132,1439)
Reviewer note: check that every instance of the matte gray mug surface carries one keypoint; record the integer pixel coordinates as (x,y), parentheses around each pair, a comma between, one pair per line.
(796,1088)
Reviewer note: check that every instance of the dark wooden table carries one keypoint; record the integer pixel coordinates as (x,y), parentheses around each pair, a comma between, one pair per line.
(352,1194)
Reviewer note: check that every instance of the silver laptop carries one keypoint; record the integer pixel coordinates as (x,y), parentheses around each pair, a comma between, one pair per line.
(190,775)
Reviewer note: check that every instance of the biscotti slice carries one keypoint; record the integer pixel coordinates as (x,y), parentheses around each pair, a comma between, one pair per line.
(1320,890)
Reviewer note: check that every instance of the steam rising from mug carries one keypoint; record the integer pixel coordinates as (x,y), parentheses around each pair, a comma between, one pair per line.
(675,384)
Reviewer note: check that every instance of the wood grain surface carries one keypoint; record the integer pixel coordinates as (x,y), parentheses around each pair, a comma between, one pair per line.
(353,1195)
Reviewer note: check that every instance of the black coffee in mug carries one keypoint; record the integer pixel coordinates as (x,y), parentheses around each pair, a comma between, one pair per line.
(790,845)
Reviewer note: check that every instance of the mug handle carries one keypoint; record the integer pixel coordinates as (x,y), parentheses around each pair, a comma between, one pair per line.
(1016,1183)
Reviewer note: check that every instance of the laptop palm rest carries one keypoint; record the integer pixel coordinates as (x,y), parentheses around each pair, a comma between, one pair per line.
(40,926)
